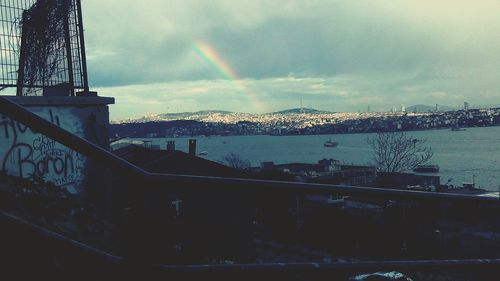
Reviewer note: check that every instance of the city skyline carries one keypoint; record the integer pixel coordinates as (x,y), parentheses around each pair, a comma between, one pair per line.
(417,108)
(263,57)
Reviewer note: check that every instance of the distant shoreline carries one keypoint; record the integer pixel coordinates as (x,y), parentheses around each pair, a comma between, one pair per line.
(295,135)
(308,124)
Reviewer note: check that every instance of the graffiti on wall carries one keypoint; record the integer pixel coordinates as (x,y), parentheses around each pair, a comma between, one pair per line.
(28,154)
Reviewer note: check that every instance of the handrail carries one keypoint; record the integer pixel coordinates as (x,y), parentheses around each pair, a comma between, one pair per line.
(87,148)
(338,267)
(91,150)
(66,138)
(36,229)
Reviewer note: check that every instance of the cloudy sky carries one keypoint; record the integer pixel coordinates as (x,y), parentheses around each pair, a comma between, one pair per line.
(159,56)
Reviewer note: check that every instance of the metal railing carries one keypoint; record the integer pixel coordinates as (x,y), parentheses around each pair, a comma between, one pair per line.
(107,158)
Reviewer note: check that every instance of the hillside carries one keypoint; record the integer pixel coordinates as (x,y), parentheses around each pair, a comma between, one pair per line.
(303,110)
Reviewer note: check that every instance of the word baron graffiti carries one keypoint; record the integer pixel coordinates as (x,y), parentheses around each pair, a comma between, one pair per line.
(28,154)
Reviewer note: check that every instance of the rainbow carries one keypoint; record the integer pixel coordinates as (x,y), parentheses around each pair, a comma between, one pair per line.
(212,58)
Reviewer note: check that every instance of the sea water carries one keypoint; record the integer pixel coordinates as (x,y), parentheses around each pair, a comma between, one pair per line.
(463,156)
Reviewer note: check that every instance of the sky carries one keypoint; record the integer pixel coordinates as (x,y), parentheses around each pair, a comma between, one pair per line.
(161,56)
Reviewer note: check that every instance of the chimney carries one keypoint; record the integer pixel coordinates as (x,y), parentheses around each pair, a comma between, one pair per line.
(192,147)
(170,145)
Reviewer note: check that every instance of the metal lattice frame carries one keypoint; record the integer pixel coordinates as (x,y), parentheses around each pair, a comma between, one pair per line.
(42,46)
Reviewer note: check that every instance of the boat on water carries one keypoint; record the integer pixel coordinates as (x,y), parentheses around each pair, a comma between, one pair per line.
(426,169)
(330,143)
(203,153)
(456,129)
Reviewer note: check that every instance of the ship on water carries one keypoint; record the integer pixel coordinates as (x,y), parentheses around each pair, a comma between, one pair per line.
(330,143)
(426,169)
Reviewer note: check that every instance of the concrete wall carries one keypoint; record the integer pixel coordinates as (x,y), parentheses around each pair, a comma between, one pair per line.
(28,154)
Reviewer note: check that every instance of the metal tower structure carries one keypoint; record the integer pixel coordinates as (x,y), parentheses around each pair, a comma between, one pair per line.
(42,47)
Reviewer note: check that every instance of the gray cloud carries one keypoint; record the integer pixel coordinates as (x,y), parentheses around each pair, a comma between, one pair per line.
(370,51)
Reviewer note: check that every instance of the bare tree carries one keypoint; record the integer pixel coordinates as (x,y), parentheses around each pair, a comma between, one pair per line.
(396,152)
(233,160)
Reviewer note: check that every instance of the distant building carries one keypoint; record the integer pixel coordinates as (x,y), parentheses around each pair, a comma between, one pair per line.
(267,166)
(403,108)
(466,106)
(326,171)
(149,144)
(408,180)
